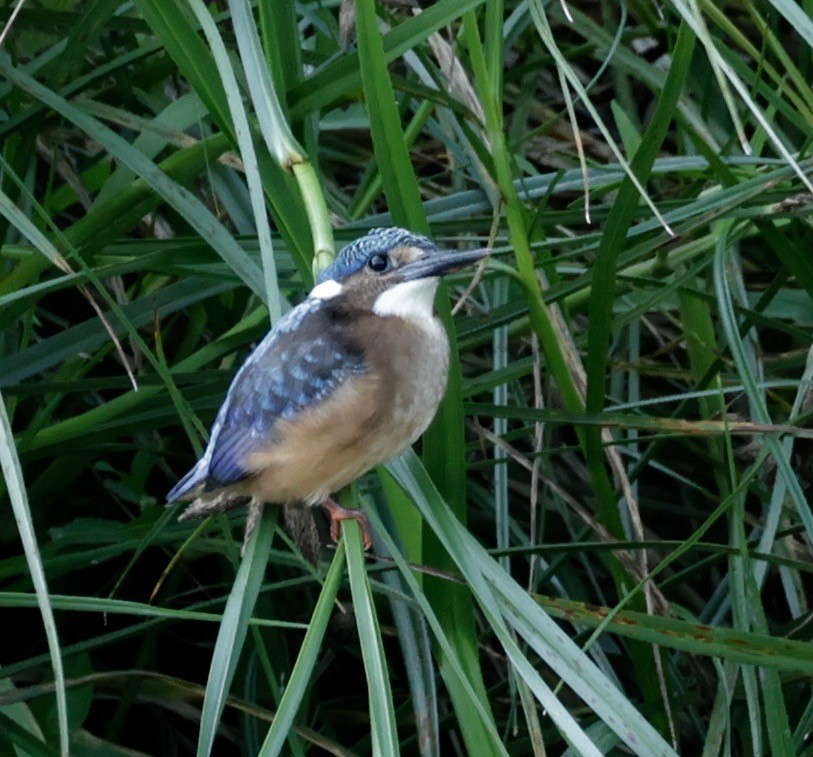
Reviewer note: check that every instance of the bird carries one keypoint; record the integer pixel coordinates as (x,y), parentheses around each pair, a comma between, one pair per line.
(344,381)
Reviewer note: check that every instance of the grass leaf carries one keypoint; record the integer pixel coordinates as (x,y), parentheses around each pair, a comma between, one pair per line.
(15,485)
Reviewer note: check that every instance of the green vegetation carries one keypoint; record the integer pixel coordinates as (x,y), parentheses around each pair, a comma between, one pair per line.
(602,544)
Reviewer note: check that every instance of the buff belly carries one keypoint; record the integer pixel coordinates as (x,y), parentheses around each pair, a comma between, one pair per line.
(367,421)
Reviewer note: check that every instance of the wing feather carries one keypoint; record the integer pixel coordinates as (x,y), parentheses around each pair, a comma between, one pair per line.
(299,364)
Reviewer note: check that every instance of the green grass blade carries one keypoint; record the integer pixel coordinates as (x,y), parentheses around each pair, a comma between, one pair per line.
(178,116)
(379,691)
(274,126)
(416,647)
(400,182)
(137,609)
(471,706)
(543,27)
(233,628)
(15,485)
(184,201)
(21,740)
(758,408)
(307,659)
(278,26)
(696,349)
(277,133)
(243,134)
(169,19)
(485,576)
(618,222)
(692,637)
(444,440)
(171,22)
(685,12)
(345,73)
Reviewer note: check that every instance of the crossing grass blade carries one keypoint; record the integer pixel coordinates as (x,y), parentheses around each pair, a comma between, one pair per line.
(444,439)
(233,629)
(243,134)
(307,658)
(547,639)
(15,485)
(382,714)
(186,203)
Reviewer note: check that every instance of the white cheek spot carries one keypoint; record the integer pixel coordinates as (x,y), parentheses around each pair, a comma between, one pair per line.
(326,290)
(413,300)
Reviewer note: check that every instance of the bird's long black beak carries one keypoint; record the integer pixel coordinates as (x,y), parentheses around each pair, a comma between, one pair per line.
(437,263)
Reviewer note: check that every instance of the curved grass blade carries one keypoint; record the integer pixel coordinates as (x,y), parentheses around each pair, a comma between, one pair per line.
(13,474)
(233,629)
(379,691)
(307,658)
(277,133)
(246,145)
(618,222)
(342,75)
(192,209)
(492,586)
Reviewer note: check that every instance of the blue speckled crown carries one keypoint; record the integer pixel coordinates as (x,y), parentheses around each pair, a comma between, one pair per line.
(356,254)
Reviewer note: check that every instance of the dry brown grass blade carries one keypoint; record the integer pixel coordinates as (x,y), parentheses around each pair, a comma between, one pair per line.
(661,604)
(655,600)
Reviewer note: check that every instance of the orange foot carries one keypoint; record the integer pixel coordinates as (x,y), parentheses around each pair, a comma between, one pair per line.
(337,514)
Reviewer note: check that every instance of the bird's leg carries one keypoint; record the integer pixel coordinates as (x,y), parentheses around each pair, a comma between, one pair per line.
(337,514)
(255,512)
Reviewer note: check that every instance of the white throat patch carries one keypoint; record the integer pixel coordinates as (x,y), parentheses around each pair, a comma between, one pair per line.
(326,290)
(413,300)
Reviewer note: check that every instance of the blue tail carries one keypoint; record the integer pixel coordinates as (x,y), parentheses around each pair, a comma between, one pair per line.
(192,480)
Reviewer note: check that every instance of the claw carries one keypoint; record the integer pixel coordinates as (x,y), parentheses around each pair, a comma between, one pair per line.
(337,514)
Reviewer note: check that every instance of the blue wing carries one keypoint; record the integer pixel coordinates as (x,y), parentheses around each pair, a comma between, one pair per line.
(300,363)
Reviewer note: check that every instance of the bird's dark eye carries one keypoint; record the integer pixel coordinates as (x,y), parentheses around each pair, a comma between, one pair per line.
(379,263)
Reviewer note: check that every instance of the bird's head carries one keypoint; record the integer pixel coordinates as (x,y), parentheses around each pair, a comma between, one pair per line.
(392,272)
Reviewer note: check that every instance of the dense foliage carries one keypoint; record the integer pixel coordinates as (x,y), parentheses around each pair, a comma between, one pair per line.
(630,393)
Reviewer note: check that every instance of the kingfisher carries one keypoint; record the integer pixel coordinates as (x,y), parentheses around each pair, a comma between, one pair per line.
(345,381)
